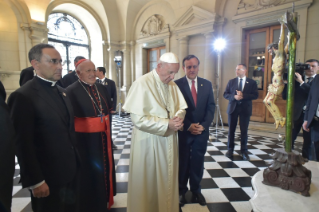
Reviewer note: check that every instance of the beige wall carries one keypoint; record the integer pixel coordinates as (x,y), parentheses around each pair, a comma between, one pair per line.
(312,38)
(9,50)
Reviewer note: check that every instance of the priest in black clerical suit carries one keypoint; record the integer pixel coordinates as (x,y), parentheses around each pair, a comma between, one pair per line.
(43,119)
(91,104)
(70,78)
(6,154)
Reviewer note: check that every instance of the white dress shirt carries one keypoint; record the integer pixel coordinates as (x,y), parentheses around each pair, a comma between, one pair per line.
(243,82)
(190,83)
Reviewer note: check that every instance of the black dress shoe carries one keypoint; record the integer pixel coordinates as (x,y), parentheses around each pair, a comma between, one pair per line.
(182,200)
(114,146)
(245,156)
(198,198)
(229,154)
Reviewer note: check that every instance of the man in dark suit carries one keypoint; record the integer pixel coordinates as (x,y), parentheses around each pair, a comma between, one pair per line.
(109,84)
(26,75)
(70,78)
(198,93)
(240,92)
(6,154)
(42,115)
(111,89)
(302,88)
(311,120)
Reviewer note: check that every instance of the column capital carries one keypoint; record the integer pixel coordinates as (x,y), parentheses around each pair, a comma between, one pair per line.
(208,35)
(38,32)
(132,43)
(183,40)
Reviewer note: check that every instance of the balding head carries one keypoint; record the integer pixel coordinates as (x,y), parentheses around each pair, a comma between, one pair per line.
(86,72)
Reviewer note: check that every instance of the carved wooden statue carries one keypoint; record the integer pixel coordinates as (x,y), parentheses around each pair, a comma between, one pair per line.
(277,86)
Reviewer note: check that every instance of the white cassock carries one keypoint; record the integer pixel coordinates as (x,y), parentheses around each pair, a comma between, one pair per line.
(153,174)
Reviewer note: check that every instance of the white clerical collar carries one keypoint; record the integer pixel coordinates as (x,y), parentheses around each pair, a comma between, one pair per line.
(85,83)
(53,82)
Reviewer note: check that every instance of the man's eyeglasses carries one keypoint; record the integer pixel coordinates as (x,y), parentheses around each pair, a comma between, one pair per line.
(56,61)
(190,67)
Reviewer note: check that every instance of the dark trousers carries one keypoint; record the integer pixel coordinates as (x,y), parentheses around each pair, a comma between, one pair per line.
(232,123)
(315,140)
(306,147)
(61,199)
(191,164)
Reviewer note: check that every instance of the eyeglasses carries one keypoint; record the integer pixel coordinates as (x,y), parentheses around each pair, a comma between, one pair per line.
(56,61)
(190,67)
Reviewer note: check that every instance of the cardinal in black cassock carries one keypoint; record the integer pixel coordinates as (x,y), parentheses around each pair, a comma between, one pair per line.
(91,105)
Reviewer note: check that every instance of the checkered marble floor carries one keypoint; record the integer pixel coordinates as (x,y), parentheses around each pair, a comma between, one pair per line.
(226,183)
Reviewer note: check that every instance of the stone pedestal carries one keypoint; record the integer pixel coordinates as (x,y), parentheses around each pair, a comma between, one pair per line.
(270,198)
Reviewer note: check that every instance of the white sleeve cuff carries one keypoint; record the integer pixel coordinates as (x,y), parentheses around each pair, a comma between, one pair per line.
(37,185)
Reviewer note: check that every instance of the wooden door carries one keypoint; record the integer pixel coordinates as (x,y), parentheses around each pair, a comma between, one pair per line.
(153,55)
(259,63)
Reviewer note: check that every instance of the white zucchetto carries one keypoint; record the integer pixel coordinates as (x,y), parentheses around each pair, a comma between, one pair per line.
(169,57)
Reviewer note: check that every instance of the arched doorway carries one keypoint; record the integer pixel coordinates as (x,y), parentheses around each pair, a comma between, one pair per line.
(69,37)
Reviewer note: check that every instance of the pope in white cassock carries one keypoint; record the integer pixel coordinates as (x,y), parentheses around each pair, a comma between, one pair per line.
(157,109)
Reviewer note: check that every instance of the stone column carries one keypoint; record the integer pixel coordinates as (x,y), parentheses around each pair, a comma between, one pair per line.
(132,43)
(106,59)
(112,65)
(126,67)
(209,60)
(126,72)
(183,52)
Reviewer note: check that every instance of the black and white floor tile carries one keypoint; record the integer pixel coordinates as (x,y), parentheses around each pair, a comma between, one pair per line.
(226,183)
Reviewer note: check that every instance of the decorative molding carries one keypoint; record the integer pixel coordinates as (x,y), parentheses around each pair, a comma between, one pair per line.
(156,38)
(6,74)
(38,32)
(153,44)
(269,15)
(196,21)
(154,25)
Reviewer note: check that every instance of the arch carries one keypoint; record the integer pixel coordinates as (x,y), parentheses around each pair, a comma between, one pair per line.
(83,6)
(21,11)
(91,22)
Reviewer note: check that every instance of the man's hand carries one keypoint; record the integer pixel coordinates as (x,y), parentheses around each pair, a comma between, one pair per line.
(196,129)
(298,78)
(304,126)
(176,123)
(239,95)
(113,111)
(41,191)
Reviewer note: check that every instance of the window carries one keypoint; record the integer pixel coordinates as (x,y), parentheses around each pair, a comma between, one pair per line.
(68,36)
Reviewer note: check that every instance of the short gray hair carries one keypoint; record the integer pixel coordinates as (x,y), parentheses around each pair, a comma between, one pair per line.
(35,52)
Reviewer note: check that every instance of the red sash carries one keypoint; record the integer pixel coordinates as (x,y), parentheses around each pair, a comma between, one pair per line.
(94,125)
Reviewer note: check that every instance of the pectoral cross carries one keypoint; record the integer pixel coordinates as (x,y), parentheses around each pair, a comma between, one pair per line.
(101,115)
